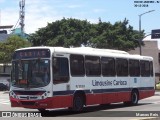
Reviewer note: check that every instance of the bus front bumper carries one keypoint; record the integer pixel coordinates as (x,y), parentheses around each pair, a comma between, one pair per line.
(34,104)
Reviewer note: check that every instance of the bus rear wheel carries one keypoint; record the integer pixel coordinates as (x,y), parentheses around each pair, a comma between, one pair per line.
(78,103)
(134,99)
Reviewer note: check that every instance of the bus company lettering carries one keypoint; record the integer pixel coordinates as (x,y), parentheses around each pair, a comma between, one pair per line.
(101,83)
(108,83)
(120,82)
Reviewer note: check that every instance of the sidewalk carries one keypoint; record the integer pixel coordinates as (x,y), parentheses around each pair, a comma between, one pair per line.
(157,93)
(4,92)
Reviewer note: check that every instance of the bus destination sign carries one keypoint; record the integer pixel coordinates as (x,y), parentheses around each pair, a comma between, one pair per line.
(32,53)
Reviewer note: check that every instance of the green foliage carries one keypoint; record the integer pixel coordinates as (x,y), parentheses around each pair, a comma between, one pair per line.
(74,33)
(7,48)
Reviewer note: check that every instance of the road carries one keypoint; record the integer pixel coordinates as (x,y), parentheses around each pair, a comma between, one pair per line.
(147,107)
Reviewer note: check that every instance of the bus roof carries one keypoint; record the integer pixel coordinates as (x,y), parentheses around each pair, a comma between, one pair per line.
(90,51)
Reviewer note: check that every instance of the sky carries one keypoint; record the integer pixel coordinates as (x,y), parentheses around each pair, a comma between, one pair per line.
(40,12)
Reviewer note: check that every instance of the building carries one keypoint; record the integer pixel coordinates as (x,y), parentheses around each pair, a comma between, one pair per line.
(151,48)
(3,37)
(4,32)
(4,70)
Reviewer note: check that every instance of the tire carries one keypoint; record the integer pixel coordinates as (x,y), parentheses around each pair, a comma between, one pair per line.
(134,98)
(78,103)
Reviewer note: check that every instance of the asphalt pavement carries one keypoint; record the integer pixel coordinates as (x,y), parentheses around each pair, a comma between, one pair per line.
(156,98)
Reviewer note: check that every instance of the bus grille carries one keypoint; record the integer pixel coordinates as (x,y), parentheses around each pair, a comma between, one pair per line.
(27,103)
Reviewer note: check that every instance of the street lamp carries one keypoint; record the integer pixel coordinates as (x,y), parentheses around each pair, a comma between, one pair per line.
(140,29)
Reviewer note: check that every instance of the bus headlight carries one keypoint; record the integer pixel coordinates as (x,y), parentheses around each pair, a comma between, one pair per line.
(45,95)
(12,94)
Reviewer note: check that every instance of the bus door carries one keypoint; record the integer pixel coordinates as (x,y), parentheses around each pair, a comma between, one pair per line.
(61,87)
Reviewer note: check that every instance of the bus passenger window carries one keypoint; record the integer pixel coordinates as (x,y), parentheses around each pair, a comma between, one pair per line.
(134,68)
(145,68)
(60,70)
(93,66)
(77,65)
(151,68)
(108,66)
(122,67)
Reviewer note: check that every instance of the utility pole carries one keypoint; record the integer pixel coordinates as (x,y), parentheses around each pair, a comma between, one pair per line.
(22,16)
(140,40)
(0,17)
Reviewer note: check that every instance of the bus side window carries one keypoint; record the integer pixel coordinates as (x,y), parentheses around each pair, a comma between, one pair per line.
(60,70)
(108,66)
(122,67)
(134,68)
(151,68)
(145,68)
(92,65)
(77,65)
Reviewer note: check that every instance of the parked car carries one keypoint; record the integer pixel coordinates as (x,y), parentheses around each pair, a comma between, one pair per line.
(158,86)
(3,87)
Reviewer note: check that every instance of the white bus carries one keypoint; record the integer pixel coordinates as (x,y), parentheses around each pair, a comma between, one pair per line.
(56,77)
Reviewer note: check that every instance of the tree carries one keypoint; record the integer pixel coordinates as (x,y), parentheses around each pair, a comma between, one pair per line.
(117,36)
(9,46)
(67,32)
(74,32)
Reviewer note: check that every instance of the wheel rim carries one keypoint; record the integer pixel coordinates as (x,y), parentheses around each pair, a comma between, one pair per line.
(134,98)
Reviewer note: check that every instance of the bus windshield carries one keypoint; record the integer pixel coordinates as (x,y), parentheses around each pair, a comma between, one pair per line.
(30,73)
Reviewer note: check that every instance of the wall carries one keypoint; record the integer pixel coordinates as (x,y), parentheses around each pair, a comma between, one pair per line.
(5,76)
(7,69)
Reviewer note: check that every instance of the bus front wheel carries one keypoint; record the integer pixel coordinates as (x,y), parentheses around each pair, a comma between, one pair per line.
(78,103)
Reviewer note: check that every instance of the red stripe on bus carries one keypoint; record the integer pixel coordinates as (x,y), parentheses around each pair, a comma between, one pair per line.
(66,101)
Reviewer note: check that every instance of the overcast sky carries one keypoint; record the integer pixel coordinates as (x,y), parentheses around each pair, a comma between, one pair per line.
(39,12)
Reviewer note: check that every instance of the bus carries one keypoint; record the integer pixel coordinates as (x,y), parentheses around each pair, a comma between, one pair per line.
(57,77)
